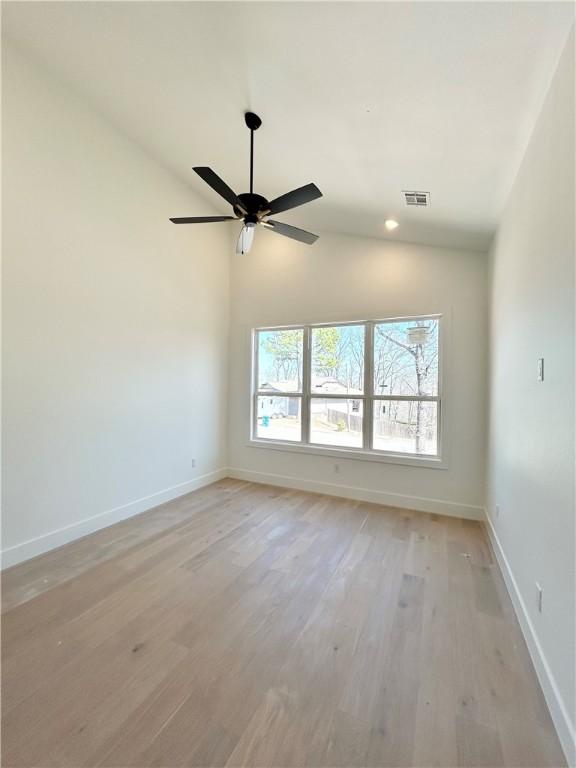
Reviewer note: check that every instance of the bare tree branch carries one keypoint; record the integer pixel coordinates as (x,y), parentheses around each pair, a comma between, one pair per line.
(399,343)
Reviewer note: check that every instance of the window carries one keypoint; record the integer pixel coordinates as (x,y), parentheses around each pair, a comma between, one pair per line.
(279,374)
(366,387)
(406,399)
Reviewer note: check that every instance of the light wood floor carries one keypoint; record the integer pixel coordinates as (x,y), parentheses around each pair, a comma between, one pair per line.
(245,625)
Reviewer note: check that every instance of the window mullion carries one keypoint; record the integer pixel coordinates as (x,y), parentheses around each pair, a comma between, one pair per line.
(306,385)
(276,393)
(409,398)
(255,344)
(368,385)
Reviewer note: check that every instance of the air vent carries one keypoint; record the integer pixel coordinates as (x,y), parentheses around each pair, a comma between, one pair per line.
(421,199)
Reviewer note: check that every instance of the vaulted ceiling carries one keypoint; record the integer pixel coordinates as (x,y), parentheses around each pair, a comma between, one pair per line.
(364,99)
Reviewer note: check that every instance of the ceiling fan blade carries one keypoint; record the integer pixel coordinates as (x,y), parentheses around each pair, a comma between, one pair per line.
(293,232)
(201,219)
(213,180)
(295,198)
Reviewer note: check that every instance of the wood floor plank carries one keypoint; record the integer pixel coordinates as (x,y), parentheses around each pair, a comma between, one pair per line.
(248,625)
(32,578)
(126,745)
(478,745)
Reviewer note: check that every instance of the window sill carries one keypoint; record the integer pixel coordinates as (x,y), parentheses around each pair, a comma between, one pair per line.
(424,462)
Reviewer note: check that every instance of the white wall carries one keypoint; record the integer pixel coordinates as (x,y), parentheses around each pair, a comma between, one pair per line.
(116,343)
(348,278)
(531,442)
(115,322)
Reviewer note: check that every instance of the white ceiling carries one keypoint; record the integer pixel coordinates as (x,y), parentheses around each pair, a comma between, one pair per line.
(364,99)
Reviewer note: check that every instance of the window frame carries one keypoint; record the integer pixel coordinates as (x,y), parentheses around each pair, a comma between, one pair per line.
(367,398)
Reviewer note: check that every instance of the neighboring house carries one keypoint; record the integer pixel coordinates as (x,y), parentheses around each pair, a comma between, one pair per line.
(330,386)
(277,406)
(281,406)
(341,414)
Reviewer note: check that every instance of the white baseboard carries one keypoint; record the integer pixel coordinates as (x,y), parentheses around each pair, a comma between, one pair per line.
(558,710)
(44,543)
(438,506)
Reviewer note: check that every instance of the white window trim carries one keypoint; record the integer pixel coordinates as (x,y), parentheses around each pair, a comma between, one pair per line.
(440,461)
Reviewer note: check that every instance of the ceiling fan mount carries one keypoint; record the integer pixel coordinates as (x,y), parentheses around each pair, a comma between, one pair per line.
(252,208)
(252,121)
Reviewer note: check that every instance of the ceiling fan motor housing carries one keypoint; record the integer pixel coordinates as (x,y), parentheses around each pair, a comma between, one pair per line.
(254,204)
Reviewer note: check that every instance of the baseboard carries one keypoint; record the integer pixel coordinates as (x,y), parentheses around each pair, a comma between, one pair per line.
(438,506)
(558,710)
(41,544)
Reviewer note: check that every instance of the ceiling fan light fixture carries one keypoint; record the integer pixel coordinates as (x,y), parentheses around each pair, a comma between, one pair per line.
(245,239)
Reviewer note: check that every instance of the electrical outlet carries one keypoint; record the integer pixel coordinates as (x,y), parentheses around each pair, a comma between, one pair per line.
(337,468)
(540,369)
(539,597)
(193,463)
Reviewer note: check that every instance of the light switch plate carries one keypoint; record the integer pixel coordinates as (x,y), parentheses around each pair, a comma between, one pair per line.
(540,369)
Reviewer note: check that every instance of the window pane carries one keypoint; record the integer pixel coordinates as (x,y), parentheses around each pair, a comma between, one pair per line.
(279,418)
(280,360)
(338,360)
(336,422)
(406,357)
(406,426)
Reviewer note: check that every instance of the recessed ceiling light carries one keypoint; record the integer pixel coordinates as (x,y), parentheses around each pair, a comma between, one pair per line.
(390,224)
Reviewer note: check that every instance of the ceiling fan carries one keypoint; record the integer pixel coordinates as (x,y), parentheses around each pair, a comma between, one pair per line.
(255,209)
